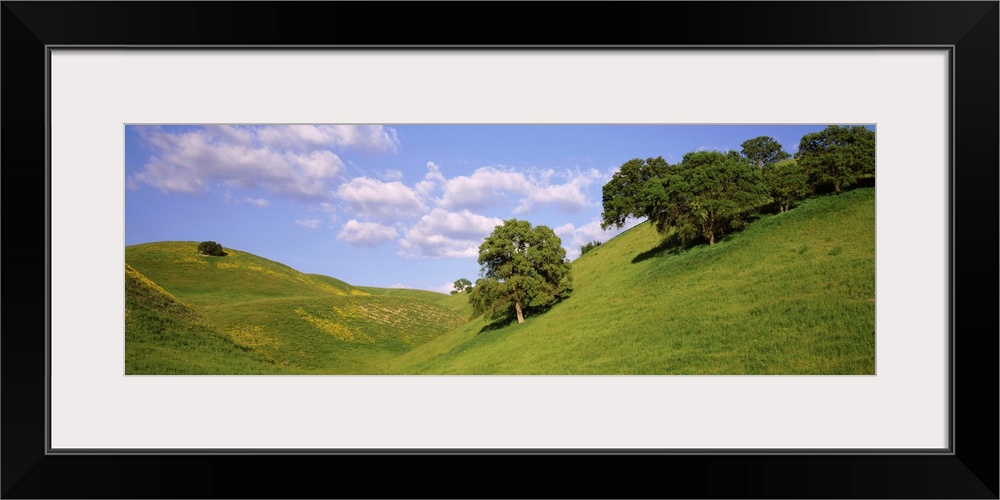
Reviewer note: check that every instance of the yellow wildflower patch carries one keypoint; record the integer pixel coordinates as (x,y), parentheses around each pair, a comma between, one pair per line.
(341,331)
(253,336)
(330,289)
(130,272)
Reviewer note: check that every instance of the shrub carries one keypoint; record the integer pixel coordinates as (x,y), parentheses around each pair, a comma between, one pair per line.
(589,246)
(211,248)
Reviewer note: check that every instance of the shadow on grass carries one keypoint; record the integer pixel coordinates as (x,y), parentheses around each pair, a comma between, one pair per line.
(504,322)
(497,324)
(671,245)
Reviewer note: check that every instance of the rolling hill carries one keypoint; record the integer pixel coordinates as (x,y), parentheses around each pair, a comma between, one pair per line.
(165,337)
(300,322)
(792,294)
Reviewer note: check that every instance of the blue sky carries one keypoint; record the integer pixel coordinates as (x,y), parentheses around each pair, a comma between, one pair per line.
(390,205)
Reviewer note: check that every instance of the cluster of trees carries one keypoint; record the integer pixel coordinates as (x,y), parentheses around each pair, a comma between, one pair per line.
(589,246)
(838,156)
(707,194)
(710,193)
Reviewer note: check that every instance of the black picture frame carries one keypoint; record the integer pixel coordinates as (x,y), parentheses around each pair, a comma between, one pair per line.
(970,28)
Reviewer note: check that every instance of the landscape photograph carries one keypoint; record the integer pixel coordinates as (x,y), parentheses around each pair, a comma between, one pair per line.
(478,249)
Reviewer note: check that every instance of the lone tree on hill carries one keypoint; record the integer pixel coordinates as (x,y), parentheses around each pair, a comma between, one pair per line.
(838,156)
(523,268)
(763,150)
(211,248)
(462,285)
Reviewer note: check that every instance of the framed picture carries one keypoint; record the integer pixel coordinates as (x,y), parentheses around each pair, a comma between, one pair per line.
(922,76)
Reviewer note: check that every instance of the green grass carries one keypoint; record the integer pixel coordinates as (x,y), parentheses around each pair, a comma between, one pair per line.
(792,294)
(165,337)
(458,303)
(300,322)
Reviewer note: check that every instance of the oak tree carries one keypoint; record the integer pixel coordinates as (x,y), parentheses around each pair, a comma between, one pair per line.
(622,195)
(763,150)
(787,182)
(838,156)
(705,195)
(523,268)
(462,285)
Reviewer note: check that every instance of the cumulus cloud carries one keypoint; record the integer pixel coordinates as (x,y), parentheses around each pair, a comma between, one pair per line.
(486,187)
(489,186)
(374,199)
(308,223)
(374,138)
(441,233)
(192,160)
(366,234)
(432,179)
(291,161)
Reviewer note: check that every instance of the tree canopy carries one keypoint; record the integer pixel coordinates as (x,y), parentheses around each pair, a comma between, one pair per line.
(622,195)
(211,248)
(462,285)
(787,182)
(763,150)
(523,269)
(705,195)
(838,156)
(589,246)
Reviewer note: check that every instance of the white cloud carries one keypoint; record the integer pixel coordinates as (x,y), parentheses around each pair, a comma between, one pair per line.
(574,237)
(366,234)
(443,288)
(489,186)
(191,160)
(374,199)
(308,223)
(257,202)
(374,138)
(232,134)
(392,175)
(447,234)
(432,179)
(398,285)
(486,187)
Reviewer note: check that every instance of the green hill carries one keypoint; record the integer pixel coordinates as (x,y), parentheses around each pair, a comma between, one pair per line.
(163,336)
(301,322)
(458,303)
(792,294)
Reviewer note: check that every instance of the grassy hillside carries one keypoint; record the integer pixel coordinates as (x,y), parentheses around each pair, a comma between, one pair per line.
(163,336)
(458,303)
(792,294)
(305,323)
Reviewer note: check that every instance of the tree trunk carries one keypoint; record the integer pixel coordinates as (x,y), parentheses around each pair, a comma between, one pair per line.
(520,315)
(836,187)
(711,239)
